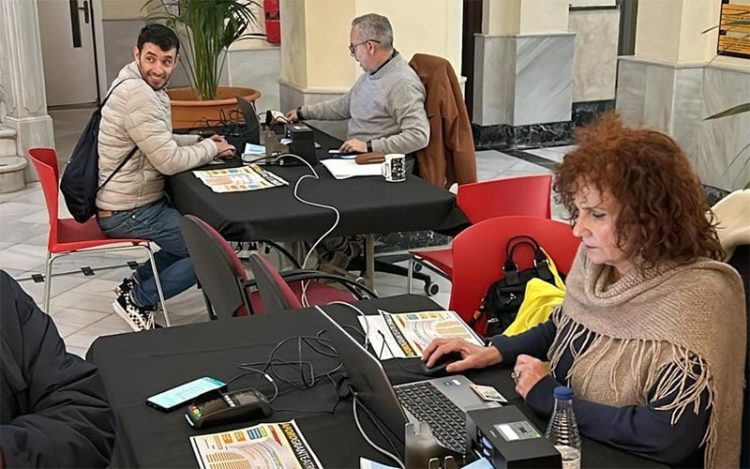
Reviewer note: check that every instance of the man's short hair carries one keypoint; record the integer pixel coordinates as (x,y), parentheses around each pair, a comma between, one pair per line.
(374,27)
(160,35)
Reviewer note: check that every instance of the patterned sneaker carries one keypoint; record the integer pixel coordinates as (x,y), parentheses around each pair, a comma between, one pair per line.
(126,286)
(138,318)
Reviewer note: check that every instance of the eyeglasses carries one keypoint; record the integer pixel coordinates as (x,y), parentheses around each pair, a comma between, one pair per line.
(353,47)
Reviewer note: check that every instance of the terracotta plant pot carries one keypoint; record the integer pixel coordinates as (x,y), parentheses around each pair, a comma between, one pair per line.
(188,112)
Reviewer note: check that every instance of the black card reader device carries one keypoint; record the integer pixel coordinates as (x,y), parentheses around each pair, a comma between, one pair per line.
(303,142)
(508,439)
(228,407)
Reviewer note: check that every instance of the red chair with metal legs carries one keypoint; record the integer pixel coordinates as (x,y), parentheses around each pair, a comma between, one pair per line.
(230,292)
(479,253)
(525,195)
(67,236)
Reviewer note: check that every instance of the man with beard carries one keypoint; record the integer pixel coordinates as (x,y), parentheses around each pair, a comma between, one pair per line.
(137,117)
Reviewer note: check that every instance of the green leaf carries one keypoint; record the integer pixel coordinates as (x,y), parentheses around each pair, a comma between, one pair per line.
(739,109)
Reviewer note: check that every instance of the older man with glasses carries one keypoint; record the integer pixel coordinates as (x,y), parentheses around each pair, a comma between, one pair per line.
(385,107)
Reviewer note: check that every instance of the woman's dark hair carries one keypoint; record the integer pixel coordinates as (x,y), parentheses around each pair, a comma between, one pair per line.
(160,35)
(663,213)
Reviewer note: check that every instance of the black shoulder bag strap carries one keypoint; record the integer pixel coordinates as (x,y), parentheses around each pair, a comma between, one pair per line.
(541,263)
(132,152)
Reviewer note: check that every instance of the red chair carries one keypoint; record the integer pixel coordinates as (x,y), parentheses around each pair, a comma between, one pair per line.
(230,292)
(479,253)
(525,195)
(67,236)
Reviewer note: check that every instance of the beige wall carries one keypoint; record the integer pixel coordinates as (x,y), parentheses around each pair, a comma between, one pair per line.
(422,26)
(697,16)
(315,36)
(293,42)
(508,17)
(122,9)
(672,30)
(327,25)
(543,16)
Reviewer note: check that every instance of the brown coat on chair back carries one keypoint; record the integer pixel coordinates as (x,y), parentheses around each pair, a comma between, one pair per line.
(449,157)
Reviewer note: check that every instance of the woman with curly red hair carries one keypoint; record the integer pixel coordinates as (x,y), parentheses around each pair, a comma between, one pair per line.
(651,334)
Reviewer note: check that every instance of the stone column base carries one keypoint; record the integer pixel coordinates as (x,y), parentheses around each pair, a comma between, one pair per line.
(11,173)
(32,132)
(676,99)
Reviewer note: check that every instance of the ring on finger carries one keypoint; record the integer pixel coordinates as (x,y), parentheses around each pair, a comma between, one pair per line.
(515,375)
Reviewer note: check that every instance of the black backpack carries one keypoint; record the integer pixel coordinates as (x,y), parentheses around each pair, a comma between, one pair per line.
(80,182)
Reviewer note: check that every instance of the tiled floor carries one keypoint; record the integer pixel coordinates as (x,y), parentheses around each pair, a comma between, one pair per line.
(81,306)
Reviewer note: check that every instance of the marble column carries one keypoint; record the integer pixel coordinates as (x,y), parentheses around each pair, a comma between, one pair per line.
(23,75)
(523,74)
(3,110)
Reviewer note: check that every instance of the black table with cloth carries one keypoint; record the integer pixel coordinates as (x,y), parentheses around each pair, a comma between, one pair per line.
(368,205)
(135,366)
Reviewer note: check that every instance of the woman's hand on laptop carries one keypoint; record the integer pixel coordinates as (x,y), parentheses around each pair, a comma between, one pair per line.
(473,356)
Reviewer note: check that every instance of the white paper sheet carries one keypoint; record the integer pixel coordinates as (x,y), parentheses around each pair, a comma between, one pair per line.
(344,169)
(376,332)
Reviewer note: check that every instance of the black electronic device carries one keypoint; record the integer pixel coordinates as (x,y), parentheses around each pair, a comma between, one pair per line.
(252,124)
(228,407)
(184,393)
(508,439)
(303,142)
(439,367)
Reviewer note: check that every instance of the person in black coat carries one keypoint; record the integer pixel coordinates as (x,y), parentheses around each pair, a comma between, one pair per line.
(53,407)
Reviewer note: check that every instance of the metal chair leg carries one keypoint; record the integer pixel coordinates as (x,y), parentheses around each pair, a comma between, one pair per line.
(47,282)
(158,284)
(410,275)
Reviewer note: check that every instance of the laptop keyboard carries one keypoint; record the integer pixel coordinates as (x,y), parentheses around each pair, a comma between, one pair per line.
(425,402)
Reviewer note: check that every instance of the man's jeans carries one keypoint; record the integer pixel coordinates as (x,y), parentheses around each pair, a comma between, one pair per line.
(159,223)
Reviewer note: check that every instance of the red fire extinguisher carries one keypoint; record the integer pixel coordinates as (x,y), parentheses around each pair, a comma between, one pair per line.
(273,21)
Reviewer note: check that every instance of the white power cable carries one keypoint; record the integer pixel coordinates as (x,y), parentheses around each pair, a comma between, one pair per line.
(390,455)
(314,175)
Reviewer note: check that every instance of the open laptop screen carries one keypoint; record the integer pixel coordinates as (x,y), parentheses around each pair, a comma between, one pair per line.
(368,378)
(252,124)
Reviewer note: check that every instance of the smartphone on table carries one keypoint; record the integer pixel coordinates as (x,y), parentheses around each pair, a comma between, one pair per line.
(175,397)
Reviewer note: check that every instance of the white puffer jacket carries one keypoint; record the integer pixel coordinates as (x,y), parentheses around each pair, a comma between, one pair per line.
(135,114)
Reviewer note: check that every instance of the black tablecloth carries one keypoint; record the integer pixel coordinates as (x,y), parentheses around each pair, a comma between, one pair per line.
(135,366)
(368,205)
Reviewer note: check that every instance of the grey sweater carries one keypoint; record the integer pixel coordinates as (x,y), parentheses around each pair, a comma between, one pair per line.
(385,108)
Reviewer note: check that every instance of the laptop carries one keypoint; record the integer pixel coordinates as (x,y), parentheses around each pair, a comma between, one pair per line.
(440,402)
(252,124)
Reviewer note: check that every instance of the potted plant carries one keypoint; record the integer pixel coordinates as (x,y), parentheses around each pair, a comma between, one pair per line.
(207,29)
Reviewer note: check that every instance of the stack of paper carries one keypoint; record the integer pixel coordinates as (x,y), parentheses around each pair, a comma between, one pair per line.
(344,169)
(244,178)
(268,445)
(407,334)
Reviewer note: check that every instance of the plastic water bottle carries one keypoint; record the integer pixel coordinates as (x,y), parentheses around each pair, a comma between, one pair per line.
(562,430)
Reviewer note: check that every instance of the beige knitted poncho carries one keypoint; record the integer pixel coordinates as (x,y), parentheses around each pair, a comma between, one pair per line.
(644,323)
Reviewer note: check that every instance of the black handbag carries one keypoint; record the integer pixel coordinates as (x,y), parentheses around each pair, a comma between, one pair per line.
(504,297)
